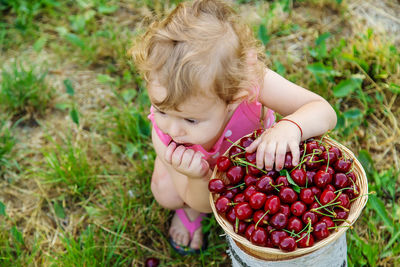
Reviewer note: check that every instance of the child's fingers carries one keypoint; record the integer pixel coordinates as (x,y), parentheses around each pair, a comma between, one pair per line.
(168,153)
(295,150)
(269,155)
(197,165)
(187,158)
(280,155)
(177,156)
(253,146)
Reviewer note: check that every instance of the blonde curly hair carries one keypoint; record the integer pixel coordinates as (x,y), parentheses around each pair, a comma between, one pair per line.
(200,46)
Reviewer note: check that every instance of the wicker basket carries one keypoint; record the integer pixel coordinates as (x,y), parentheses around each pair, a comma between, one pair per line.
(273,254)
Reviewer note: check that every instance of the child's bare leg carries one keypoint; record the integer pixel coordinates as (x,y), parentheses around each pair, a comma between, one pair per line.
(166,195)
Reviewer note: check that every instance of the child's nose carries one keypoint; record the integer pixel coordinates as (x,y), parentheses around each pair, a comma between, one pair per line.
(175,129)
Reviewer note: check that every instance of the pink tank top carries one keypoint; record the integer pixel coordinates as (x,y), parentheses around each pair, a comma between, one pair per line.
(245,119)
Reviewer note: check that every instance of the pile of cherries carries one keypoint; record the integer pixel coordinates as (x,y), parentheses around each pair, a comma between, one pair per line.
(292,208)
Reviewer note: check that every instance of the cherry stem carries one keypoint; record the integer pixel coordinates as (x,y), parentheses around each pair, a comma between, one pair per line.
(233,143)
(292,233)
(333,214)
(255,227)
(363,195)
(345,226)
(308,231)
(237,154)
(248,163)
(237,225)
(236,186)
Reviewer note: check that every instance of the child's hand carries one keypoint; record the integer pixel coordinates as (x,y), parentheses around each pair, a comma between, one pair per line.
(273,144)
(186,161)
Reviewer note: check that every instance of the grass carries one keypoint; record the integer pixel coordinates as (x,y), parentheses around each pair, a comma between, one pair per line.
(75,185)
(24,91)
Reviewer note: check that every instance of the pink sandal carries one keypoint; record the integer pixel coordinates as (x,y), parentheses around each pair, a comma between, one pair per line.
(191,226)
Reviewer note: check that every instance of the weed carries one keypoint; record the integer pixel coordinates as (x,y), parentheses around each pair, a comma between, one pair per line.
(67,165)
(24,91)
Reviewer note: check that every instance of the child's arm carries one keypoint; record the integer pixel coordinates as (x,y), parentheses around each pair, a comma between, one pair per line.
(311,112)
(189,172)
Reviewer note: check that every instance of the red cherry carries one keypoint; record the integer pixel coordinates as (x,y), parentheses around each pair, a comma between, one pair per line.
(295,224)
(231,215)
(239,198)
(250,179)
(241,228)
(288,244)
(253,170)
(235,174)
(251,189)
(279,221)
(277,236)
(327,169)
(330,188)
(230,192)
(273,174)
(299,176)
(337,151)
(342,165)
(328,221)
(243,211)
(222,204)
(307,195)
(310,176)
(235,151)
(249,230)
(259,237)
(223,163)
(264,184)
(327,196)
(353,192)
(322,178)
(305,240)
(288,161)
(298,208)
(340,180)
(250,157)
(246,141)
(312,162)
(310,146)
(257,200)
(344,200)
(352,176)
(257,133)
(287,195)
(258,215)
(309,215)
(285,209)
(152,262)
(341,214)
(272,204)
(320,230)
(332,157)
(317,192)
(216,186)
(282,180)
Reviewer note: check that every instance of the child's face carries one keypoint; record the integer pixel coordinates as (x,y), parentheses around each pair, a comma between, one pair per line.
(200,120)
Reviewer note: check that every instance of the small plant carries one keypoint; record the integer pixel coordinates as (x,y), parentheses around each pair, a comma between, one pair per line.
(7,143)
(68,165)
(24,91)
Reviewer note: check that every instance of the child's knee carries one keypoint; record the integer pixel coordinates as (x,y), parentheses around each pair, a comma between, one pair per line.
(165,193)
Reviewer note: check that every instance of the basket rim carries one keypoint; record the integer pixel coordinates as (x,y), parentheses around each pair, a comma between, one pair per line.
(355,210)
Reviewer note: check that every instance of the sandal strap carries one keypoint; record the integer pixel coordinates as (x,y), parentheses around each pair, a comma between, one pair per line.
(191,226)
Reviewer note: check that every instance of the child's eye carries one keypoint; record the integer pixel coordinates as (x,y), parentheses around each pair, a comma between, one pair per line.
(191,121)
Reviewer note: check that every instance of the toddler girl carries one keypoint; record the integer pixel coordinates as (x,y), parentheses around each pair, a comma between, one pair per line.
(208,85)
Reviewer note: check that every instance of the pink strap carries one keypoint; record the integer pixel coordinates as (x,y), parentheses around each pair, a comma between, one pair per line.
(192,226)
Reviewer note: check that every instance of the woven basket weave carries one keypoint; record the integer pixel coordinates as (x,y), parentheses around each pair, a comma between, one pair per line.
(274,254)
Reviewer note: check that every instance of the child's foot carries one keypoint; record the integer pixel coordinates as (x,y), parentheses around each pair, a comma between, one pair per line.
(185,231)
